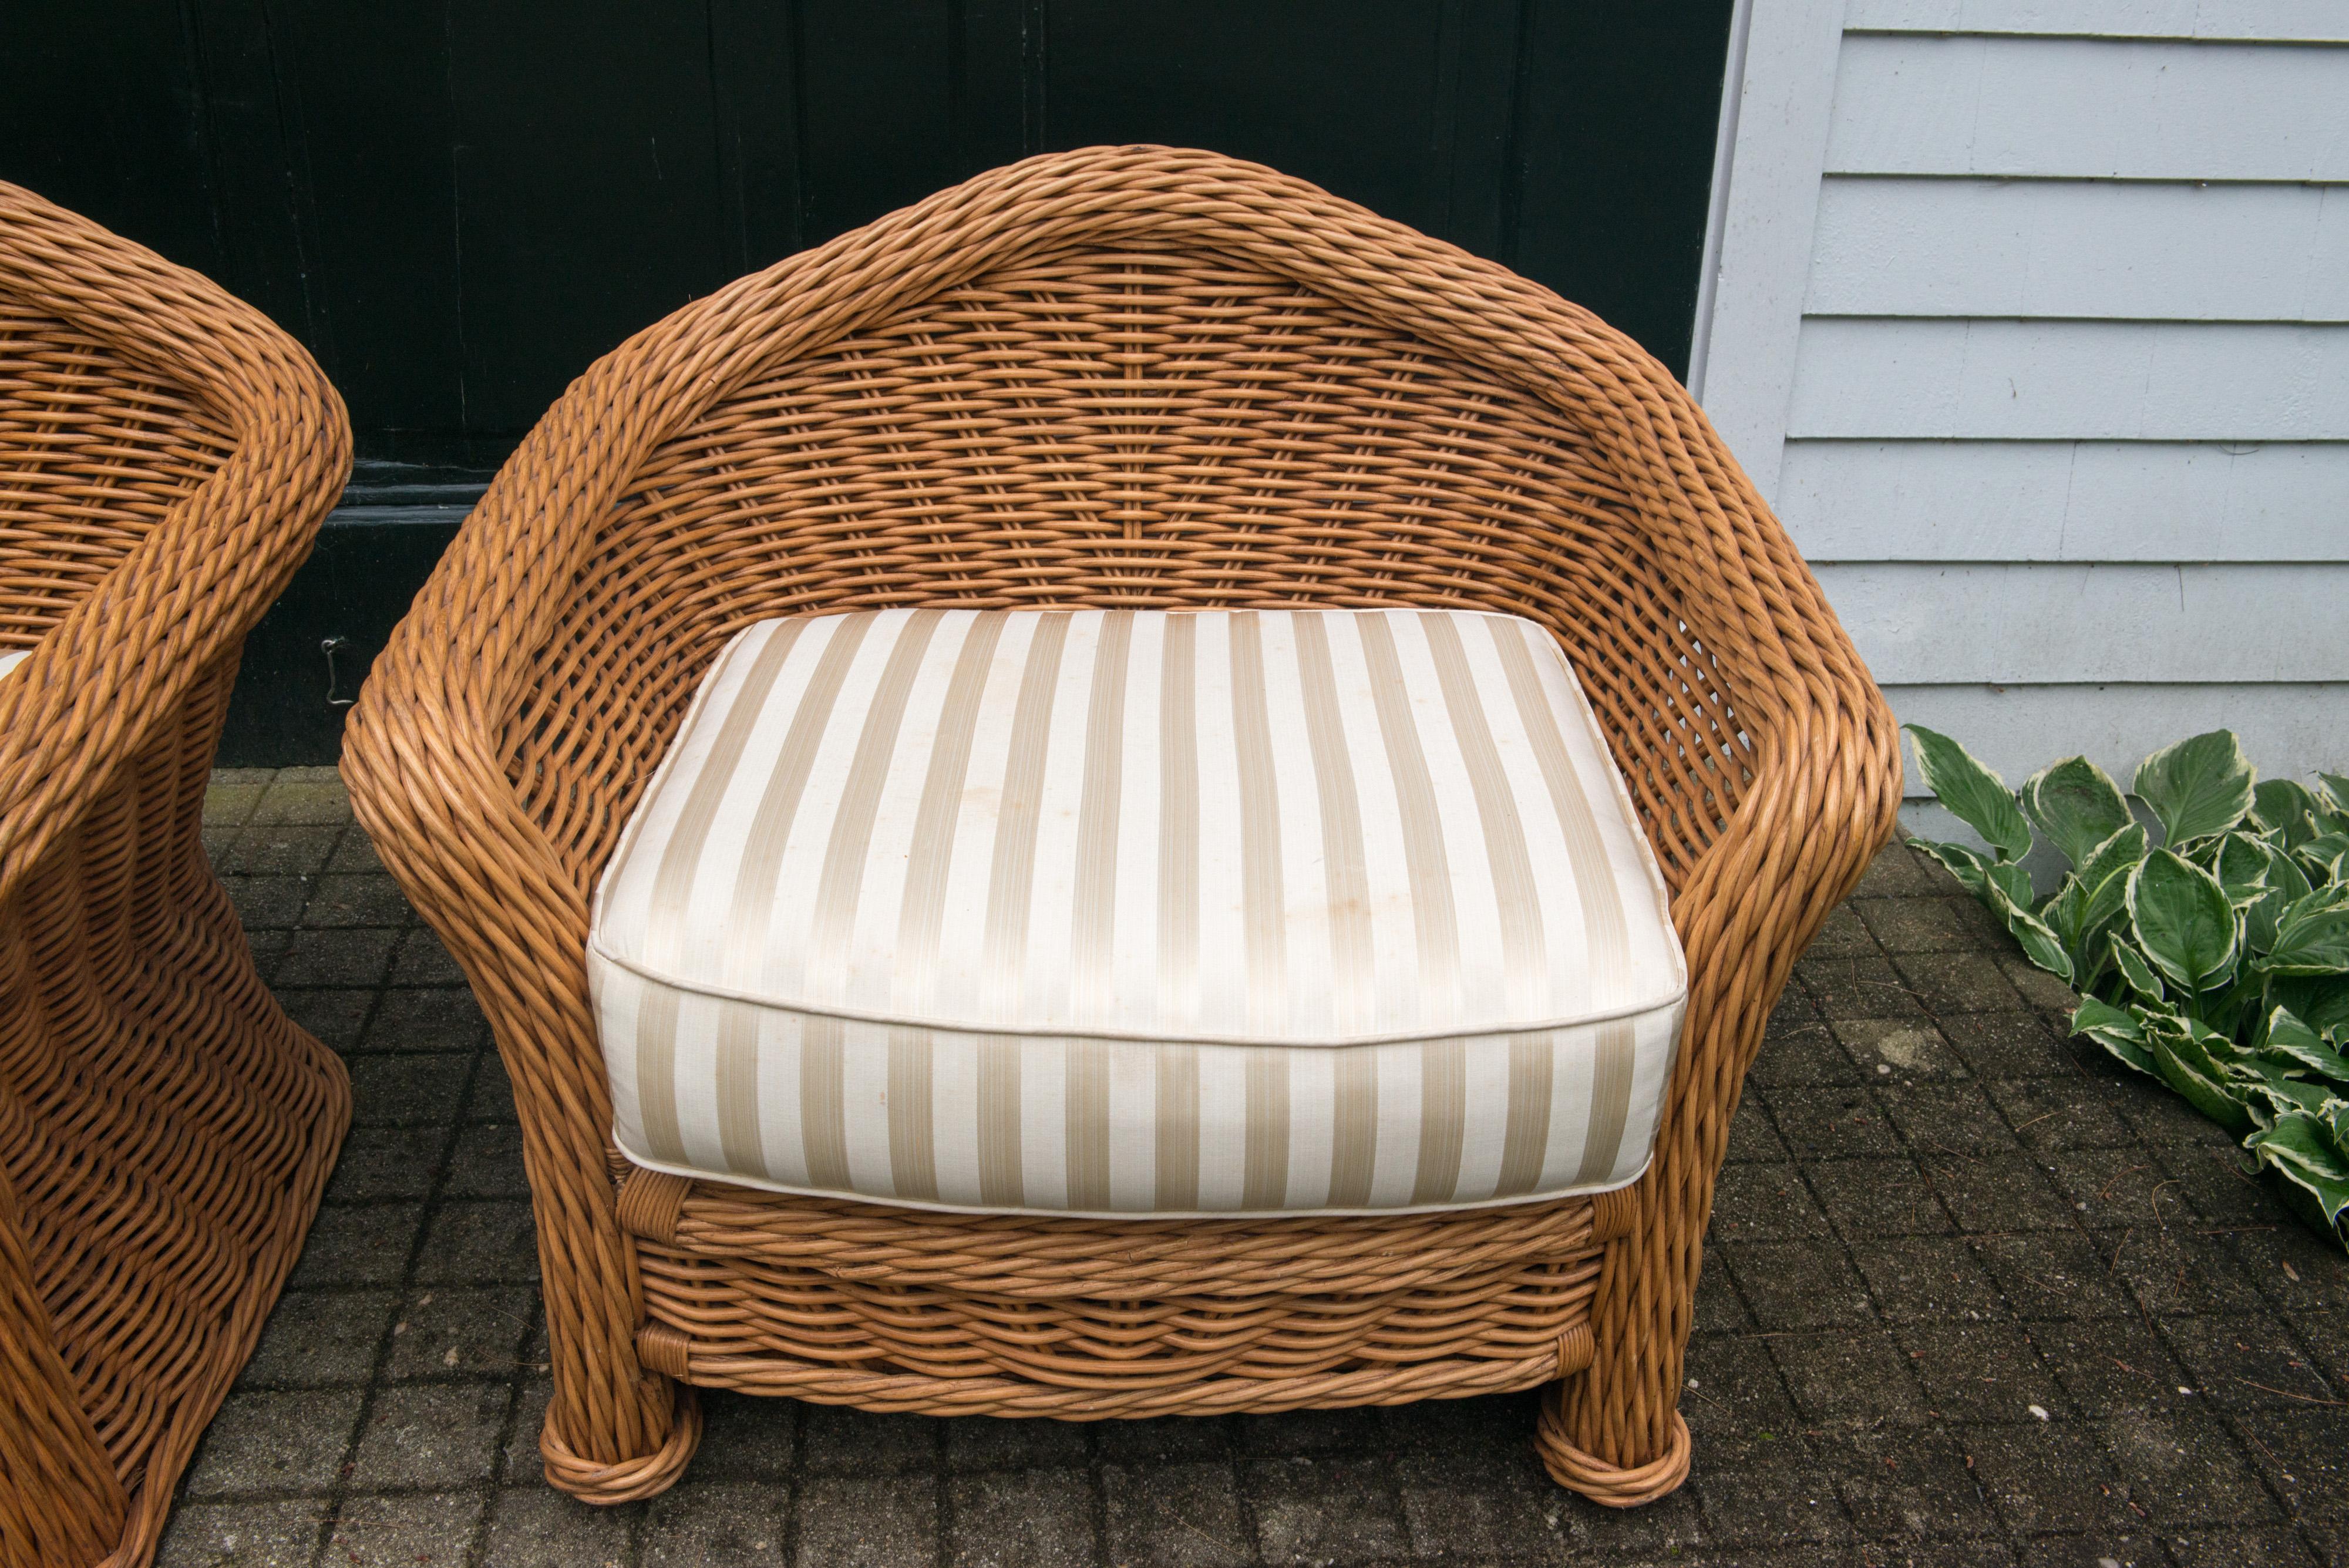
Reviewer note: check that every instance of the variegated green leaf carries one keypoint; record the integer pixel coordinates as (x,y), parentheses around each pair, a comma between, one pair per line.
(2302,1149)
(2324,856)
(2076,805)
(2311,935)
(2040,945)
(2135,972)
(2282,808)
(2199,786)
(2183,922)
(1977,796)
(2115,1030)
(2286,1037)
(2186,1067)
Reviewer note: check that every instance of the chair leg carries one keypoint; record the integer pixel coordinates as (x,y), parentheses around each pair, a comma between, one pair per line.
(616,1431)
(1613,1432)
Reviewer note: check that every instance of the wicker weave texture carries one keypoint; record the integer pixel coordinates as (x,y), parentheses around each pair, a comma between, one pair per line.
(1118,377)
(166,457)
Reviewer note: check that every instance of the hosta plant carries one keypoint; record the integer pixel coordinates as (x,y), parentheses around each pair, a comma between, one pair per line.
(2211,950)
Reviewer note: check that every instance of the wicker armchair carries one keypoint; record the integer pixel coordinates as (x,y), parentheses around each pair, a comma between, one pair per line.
(166,456)
(1131,376)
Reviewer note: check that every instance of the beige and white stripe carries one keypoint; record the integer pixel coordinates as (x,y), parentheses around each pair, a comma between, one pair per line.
(12,658)
(1139,912)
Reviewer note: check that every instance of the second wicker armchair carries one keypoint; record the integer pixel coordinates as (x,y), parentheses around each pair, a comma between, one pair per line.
(1127,380)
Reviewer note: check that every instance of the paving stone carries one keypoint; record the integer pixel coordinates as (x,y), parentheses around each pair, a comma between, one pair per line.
(276,850)
(1315,1511)
(265,902)
(1995,1195)
(1897,872)
(855,1442)
(1951,983)
(2183,1468)
(480,1243)
(2060,1114)
(535,1526)
(387,1162)
(316,1338)
(1897,1050)
(985,1443)
(1843,936)
(2010,1044)
(1735,1403)
(1806,1054)
(2037,986)
(430,1435)
(1869,1197)
(424,961)
(1927,1279)
(441,1018)
(1799,1285)
(1842,1380)
(2049,1476)
(746,1438)
(2111,1257)
(2244,1362)
(2111,1365)
(487,1163)
(454,1331)
(1765,1203)
(1857,988)
(1922,925)
(2276,1546)
(1983,1372)
(1031,1518)
(343,958)
(231,794)
(2052,1275)
(356,901)
(698,1525)
(1827,1122)
(1947,1119)
(406,1091)
(303,795)
(358,1245)
(1904,1485)
(432,1529)
(355,853)
(1162,1439)
(1751,1135)
(1719,1308)
(338,1017)
(1175,1516)
(275,1443)
(243,1534)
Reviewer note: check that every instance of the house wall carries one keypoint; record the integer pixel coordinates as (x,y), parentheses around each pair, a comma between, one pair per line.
(2033,321)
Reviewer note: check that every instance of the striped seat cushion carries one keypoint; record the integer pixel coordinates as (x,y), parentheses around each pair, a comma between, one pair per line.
(12,658)
(1122,912)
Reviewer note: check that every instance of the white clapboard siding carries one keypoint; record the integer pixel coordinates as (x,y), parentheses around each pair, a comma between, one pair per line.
(2055,398)
(2275,21)
(2087,108)
(2096,380)
(2168,251)
(2066,501)
(2287,730)
(1917,623)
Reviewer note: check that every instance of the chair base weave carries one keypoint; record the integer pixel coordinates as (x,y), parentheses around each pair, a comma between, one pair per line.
(166,1132)
(904,1310)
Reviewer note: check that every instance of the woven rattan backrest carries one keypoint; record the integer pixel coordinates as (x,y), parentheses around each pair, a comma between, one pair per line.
(1153,427)
(95,450)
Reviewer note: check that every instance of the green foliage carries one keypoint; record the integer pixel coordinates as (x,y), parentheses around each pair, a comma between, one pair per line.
(2216,962)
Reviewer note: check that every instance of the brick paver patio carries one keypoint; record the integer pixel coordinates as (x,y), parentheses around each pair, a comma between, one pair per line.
(1971,1298)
